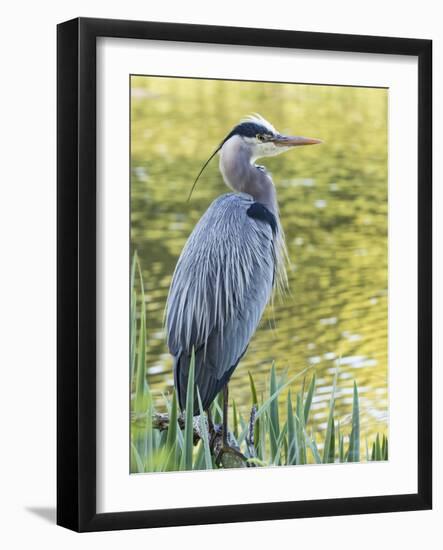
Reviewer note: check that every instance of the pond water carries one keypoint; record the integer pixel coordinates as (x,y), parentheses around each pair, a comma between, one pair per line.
(333,202)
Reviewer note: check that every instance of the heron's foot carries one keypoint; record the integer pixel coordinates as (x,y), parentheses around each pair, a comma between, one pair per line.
(230,457)
(215,434)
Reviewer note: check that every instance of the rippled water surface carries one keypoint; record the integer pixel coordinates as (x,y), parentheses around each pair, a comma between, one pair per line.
(333,202)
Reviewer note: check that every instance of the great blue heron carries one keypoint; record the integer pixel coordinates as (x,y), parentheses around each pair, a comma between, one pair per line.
(228,267)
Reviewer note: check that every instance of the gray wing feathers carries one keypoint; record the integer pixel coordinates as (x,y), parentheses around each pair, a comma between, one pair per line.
(220,288)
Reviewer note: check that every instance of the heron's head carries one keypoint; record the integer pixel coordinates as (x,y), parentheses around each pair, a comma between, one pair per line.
(263,140)
(257,138)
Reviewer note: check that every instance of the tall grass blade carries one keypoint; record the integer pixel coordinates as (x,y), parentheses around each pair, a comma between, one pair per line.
(273,413)
(205,435)
(292,436)
(385,448)
(329,446)
(141,387)
(341,443)
(133,270)
(235,419)
(314,449)
(149,436)
(309,396)
(280,445)
(133,334)
(300,430)
(262,449)
(133,319)
(173,417)
(254,400)
(253,390)
(171,438)
(377,448)
(354,440)
(186,462)
(199,461)
(265,405)
(216,409)
(136,461)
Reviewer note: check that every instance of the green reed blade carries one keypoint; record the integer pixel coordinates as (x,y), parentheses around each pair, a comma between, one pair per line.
(254,400)
(312,444)
(354,440)
(199,460)
(171,438)
(302,391)
(216,409)
(133,335)
(180,442)
(292,443)
(142,393)
(136,461)
(309,396)
(167,402)
(133,270)
(330,424)
(262,452)
(280,444)
(205,435)
(133,320)
(253,390)
(383,447)
(140,386)
(329,448)
(273,412)
(300,430)
(186,462)
(149,437)
(235,419)
(173,426)
(266,404)
(385,454)
(162,438)
(340,443)
(272,438)
(244,429)
(341,448)
(377,448)
(171,463)
(328,445)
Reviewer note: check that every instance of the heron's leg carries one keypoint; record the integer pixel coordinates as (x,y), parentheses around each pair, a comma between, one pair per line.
(226,447)
(225,415)
(210,421)
(211,428)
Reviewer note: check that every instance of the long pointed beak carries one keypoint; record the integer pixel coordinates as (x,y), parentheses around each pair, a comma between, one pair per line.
(294,141)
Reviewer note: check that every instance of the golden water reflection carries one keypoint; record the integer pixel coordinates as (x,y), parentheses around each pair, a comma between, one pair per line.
(333,201)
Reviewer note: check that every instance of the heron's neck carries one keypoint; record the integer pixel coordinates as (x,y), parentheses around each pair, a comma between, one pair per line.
(240,174)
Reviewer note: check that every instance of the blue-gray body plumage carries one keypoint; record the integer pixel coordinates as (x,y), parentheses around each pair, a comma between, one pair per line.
(226,271)
(220,288)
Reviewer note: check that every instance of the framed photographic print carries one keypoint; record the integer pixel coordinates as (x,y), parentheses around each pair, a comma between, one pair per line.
(244,274)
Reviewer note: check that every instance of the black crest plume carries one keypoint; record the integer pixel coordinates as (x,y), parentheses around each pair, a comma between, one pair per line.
(246,129)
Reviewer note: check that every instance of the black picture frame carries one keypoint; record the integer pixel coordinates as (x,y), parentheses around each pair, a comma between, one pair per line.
(76,279)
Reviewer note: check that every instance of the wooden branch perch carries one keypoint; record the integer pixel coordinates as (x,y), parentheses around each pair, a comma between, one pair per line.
(160,421)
